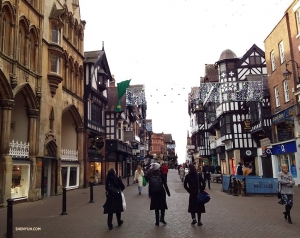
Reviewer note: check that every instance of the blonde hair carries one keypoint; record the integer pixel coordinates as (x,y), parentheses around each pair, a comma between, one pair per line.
(284,166)
(139,168)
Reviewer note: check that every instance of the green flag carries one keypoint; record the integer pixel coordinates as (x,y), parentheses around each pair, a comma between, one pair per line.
(121,90)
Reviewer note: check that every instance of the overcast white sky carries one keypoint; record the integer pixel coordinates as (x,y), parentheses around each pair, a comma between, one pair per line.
(165,44)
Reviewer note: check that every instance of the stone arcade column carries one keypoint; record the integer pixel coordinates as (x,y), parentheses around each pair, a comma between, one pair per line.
(80,139)
(33,193)
(6,163)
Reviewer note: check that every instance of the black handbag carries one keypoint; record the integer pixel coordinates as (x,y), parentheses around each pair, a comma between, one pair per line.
(203,197)
(279,191)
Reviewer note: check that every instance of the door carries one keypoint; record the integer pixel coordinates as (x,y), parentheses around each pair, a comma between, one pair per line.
(46,178)
(267,167)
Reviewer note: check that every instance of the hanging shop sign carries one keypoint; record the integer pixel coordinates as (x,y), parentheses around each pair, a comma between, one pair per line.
(247,125)
(285,148)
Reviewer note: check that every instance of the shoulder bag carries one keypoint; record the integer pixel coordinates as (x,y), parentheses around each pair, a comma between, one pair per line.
(203,197)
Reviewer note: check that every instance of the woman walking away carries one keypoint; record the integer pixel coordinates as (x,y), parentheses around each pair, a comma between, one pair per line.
(181,173)
(114,186)
(138,178)
(157,192)
(191,185)
(286,183)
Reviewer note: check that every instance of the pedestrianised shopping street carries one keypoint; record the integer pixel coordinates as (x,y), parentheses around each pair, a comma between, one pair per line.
(226,216)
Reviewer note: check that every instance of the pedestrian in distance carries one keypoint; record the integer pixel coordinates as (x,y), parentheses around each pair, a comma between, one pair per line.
(138,178)
(218,169)
(164,171)
(199,169)
(206,174)
(157,193)
(239,169)
(286,183)
(113,186)
(191,186)
(181,174)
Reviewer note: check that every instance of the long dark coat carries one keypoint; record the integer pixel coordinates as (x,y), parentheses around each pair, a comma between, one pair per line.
(113,204)
(158,200)
(191,186)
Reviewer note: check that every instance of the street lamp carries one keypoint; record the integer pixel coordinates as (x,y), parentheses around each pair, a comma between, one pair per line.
(287,74)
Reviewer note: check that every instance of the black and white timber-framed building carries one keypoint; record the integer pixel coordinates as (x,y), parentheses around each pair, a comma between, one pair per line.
(233,114)
(97,76)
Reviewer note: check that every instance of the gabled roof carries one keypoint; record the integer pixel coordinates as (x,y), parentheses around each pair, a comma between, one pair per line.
(168,138)
(254,48)
(92,56)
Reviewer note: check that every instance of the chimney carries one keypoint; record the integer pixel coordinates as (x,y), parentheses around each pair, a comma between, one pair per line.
(112,82)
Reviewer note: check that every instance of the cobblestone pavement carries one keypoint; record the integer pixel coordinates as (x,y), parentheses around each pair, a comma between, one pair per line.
(227,216)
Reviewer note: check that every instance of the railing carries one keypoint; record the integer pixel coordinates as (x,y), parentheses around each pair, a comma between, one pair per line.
(19,149)
(69,155)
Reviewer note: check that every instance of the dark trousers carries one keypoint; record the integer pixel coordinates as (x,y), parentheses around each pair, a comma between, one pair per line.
(288,211)
(194,216)
(162,215)
(110,217)
(208,180)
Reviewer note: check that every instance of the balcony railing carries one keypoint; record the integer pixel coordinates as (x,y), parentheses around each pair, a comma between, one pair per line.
(19,149)
(69,155)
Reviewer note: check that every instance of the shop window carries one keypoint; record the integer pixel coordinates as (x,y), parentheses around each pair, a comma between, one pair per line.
(70,175)
(20,181)
(64,176)
(73,176)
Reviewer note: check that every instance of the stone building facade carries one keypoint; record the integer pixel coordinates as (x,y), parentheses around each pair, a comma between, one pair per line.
(41,91)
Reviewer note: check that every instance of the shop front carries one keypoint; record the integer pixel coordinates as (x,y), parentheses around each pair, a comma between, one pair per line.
(70,174)
(95,166)
(248,157)
(285,153)
(20,179)
(117,153)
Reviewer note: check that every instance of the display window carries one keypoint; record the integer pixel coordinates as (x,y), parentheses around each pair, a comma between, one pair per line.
(70,176)
(290,161)
(95,172)
(20,181)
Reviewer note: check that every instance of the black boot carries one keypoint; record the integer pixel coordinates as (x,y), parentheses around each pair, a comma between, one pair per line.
(290,220)
(285,215)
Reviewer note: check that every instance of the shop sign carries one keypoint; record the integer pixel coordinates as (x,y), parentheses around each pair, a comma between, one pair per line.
(248,152)
(286,115)
(285,148)
(247,125)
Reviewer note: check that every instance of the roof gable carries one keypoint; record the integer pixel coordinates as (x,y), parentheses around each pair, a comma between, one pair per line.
(248,58)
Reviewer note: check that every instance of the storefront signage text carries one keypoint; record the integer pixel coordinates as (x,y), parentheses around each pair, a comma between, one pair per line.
(286,115)
(286,148)
(247,125)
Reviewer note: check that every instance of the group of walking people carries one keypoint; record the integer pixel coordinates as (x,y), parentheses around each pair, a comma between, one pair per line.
(157,190)
(193,184)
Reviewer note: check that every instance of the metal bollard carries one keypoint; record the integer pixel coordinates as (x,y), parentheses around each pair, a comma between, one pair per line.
(127,179)
(91,193)
(64,202)
(235,187)
(9,224)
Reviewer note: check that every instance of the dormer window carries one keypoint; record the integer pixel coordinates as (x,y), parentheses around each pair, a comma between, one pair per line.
(56,35)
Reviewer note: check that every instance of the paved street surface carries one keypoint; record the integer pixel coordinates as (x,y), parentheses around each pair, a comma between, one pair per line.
(227,216)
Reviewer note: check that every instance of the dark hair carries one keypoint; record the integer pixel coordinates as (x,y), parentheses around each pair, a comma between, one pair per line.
(192,168)
(156,172)
(111,176)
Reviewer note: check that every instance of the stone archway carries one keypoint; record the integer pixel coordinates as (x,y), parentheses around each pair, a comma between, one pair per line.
(75,115)
(28,95)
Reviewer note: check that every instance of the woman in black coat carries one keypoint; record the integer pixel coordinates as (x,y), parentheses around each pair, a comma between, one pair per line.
(114,186)
(158,199)
(191,186)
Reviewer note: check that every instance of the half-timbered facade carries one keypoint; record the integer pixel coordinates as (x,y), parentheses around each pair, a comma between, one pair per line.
(226,110)
(97,76)
(118,153)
